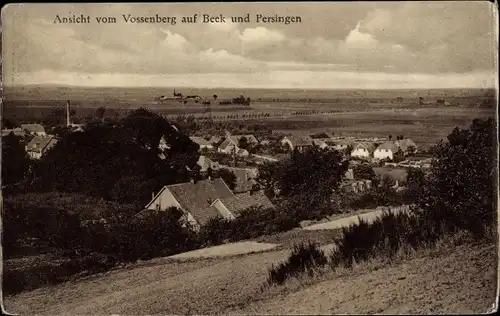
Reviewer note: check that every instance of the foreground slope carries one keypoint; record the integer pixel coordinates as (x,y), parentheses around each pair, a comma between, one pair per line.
(461,279)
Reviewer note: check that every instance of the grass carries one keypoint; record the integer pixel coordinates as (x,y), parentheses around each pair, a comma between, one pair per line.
(303,259)
(456,275)
(389,236)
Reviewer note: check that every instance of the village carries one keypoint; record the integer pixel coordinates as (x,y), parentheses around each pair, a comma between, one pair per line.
(240,156)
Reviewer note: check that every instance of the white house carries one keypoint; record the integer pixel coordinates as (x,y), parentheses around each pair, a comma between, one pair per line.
(194,199)
(363,150)
(299,143)
(202,142)
(231,144)
(385,151)
(34,129)
(342,145)
(39,145)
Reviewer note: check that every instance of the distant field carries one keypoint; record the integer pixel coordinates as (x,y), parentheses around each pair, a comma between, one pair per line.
(343,112)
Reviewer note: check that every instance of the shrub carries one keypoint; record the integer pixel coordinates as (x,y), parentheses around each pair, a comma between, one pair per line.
(303,259)
(250,223)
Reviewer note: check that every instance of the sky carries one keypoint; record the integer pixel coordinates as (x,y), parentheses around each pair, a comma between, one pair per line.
(365,45)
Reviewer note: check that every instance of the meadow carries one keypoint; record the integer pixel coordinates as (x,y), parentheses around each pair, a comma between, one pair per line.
(360,113)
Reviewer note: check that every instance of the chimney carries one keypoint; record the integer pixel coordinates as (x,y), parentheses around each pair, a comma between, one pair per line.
(209,178)
(192,180)
(153,195)
(68,121)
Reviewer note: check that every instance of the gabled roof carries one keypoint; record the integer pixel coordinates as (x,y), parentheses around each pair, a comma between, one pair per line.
(243,201)
(17,132)
(322,135)
(33,128)
(250,138)
(344,142)
(200,141)
(40,143)
(226,143)
(389,146)
(197,198)
(368,146)
(300,140)
(206,163)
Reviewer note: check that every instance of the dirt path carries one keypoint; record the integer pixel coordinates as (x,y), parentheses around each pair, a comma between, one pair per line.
(227,250)
(349,220)
(462,282)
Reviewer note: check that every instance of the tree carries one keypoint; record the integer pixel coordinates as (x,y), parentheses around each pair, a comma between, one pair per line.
(309,178)
(228,177)
(411,150)
(15,161)
(460,191)
(363,172)
(243,143)
(9,123)
(415,182)
(108,161)
(100,112)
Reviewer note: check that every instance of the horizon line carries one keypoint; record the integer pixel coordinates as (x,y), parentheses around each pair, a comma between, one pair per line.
(41,85)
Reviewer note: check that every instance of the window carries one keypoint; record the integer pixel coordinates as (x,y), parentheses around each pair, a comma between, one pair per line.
(387,150)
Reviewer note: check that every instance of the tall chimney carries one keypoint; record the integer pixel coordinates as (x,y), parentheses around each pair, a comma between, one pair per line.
(68,121)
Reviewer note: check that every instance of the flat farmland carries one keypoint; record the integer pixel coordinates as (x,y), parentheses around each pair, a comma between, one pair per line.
(347,113)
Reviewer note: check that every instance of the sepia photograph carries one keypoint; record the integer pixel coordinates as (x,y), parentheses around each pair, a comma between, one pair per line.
(249,158)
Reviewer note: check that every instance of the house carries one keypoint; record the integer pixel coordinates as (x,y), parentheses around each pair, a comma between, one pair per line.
(194,199)
(231,144)
(39,145)
(19,132)
(297,142)
(407,146)
(245,178)
(202,142)
(385,151)
(322,137)
(206,163)
(363,150)
(342,144)
(34,129)
(233,206)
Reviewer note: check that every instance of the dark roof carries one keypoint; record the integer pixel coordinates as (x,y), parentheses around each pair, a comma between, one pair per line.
(243,201)
(250,138)
(196,198)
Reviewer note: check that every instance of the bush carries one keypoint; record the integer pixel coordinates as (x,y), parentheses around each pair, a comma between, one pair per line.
(250,223)
(303,259)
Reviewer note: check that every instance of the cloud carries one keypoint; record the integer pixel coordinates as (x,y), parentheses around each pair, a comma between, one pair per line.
(404,38)
(261,35)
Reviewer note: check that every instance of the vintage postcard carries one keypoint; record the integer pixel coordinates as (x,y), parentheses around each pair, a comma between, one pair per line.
(249,158)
